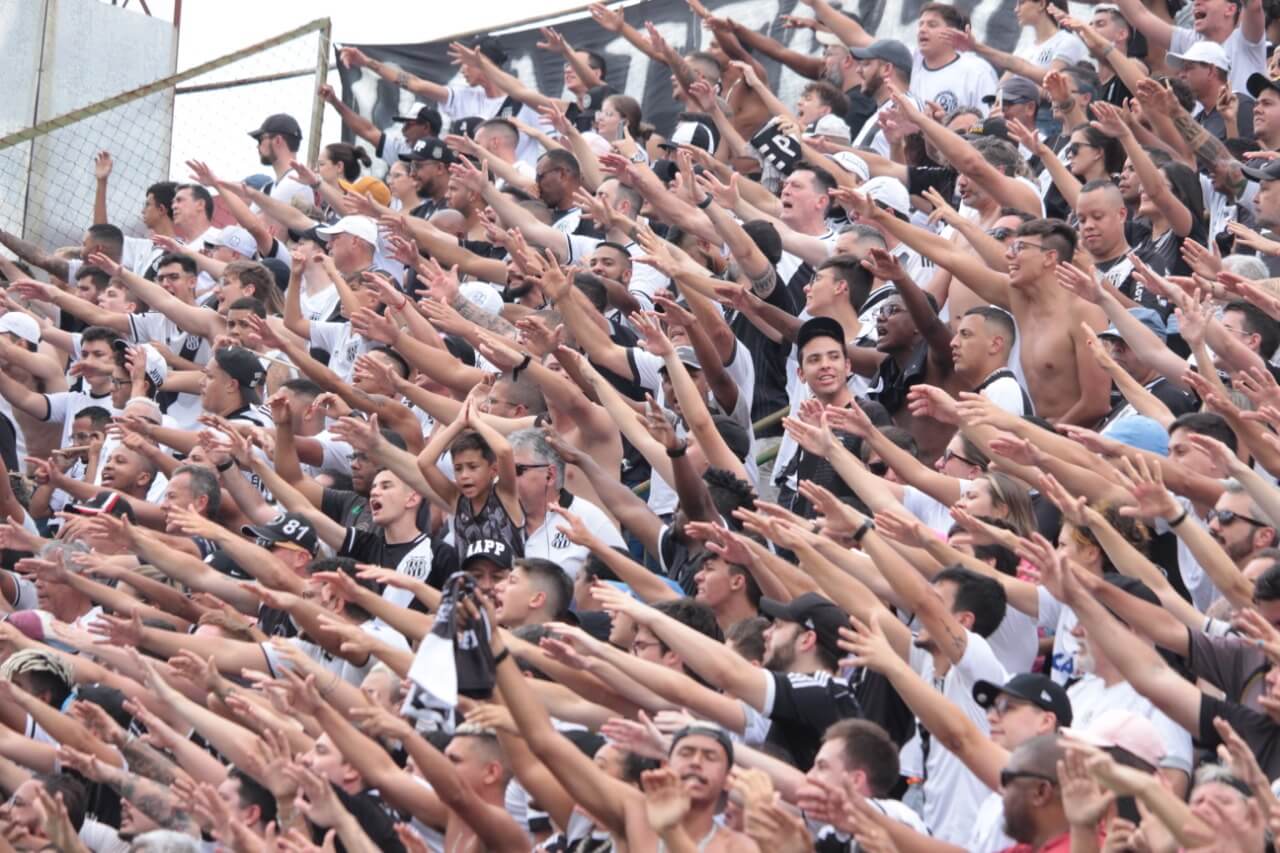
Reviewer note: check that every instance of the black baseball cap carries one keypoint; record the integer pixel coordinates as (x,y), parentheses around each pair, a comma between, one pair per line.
(281,123)
(1040,690)
(1268,172)
(1259,83)
(467,126)
(429,149)
(992,126)
(714,732)
(492,49)
(105,503)
(287,528)
(494,550)
(426,114)
(734,434)
(244,367)
(819,327)
(812,612)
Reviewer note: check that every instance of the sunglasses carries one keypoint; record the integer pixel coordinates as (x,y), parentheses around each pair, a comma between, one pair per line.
(878,468)
(948,455)
(1000,234)
(521,469)
(1226,516)
(1007,777)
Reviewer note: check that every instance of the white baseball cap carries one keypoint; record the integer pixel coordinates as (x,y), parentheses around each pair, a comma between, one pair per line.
(1208,52)
(485,296)
(890,192)
(237,239)
(17,323)
(827,38)
(853,164)
(831,125)
(360,226)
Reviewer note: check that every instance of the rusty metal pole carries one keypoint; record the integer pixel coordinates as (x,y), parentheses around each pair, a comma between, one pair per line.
(317,102)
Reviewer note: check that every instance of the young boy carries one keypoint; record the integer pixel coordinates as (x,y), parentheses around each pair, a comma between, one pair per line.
(483,491)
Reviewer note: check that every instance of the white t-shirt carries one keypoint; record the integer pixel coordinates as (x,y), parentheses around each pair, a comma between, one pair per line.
(962,82)
(951,791)
(318,305)
(65,405)
(1246,58)
(346,670)
(154,327)
(138,254)
(1197,580)
(1057,617)
(932,512)
(467,101)
(548,543)
(343,345)
(1090,696)
(1061,45)
(988,827)
(646,280)
(288,187)
(1006,393)
(1015,641)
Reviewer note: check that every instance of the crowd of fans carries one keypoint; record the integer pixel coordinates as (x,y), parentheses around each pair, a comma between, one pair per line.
(894,469)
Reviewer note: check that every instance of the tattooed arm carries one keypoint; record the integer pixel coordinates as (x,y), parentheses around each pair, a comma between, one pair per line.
(1209,151)
(145,760)
(153,799)
(482,318)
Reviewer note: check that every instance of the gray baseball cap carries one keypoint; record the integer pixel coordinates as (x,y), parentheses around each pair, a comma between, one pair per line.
(888,50)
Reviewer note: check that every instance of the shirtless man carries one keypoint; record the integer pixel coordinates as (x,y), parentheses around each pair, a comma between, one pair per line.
(1065,382)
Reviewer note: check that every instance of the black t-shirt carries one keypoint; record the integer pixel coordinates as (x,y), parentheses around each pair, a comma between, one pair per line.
(940,178)
(895,381)
(1114,91)
(882,705)
(1178,401)
(1118,272)
(1164,253)
(862,107)
(1259,731)
(804,706)
(768,356)
(348,509)
(372,817)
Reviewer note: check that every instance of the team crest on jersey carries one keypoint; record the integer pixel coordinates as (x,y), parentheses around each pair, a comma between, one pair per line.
(948,101)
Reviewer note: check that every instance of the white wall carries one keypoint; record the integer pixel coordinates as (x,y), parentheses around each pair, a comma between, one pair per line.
(88,51)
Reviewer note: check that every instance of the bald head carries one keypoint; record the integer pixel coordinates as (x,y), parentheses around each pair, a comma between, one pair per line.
(1040,756)
(449,221)
(1104,191)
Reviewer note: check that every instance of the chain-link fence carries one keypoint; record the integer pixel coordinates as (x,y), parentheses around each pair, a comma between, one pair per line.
(48,170)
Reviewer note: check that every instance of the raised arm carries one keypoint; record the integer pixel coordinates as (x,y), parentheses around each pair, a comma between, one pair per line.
(941,717)
(353,57)
(604,797)
(1005,189)
(1111,121)
(1138,663)
(190,318)
(990,284)
(35,256)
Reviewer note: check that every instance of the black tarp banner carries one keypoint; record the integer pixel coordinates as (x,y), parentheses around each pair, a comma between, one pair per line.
(632,72)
